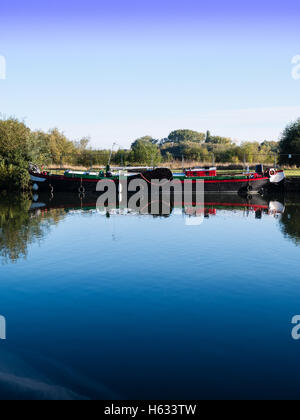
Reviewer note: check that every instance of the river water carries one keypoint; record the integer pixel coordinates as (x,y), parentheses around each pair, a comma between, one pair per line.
(125,305)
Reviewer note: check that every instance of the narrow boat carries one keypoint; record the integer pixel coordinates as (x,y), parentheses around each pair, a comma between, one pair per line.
(84,182)
(247,182)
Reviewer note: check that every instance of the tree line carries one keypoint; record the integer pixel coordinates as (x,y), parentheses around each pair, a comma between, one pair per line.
(19,145)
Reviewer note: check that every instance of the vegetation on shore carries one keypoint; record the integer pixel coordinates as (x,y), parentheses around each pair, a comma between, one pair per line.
(19,146)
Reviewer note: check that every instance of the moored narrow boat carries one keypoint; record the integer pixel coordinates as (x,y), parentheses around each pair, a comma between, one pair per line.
(249,182)
(83,182)
(86,182)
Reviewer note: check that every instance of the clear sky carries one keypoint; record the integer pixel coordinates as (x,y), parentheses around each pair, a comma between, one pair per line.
(120,69)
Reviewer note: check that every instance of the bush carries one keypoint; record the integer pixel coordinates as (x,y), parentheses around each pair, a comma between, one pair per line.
(15,155)
(14,177)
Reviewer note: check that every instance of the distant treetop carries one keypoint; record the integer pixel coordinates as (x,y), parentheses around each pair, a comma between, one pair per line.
(180,136)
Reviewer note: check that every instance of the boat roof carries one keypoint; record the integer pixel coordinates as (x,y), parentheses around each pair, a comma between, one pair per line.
(213,168)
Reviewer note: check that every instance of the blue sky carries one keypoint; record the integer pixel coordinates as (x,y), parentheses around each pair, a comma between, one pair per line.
(117,70)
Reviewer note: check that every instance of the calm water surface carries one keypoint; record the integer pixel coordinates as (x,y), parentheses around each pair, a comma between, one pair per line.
(140,307)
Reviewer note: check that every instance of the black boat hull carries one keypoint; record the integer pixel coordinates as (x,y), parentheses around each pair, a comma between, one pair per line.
(61,183)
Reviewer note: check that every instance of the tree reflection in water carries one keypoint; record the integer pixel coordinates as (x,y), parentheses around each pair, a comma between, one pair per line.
(21,224)
(290,221)
(19,227)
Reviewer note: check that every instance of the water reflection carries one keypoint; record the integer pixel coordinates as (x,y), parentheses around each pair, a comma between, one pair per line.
(213,203)
(290,220)
(183,311)
(19,227)
(25,221)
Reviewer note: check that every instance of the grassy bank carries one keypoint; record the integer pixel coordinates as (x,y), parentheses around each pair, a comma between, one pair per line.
(292,172)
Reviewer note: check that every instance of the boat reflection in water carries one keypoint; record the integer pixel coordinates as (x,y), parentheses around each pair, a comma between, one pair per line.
(23,222)
(85,313)
(164,207)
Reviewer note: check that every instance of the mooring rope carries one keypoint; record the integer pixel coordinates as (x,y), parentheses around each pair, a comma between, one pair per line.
(152,183)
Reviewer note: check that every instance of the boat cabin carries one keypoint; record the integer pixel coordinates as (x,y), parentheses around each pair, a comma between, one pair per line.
(201,172)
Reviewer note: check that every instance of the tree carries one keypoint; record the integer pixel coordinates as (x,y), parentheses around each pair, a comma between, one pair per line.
(193,152)
(219,140)
(15,154)
(249,151)
(40,148)
(121,157)
(229,154)
(82,144)
(181,136)
(15,141)
(62,150)
(168,157)
(271,146)
(290,144)
(267,151)
(144,151)
(208,136)
(146,139)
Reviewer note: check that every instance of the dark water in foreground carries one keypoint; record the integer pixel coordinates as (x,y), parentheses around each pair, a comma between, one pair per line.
(141,307)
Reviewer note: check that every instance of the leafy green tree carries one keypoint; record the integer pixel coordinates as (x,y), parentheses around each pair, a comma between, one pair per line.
(62,150)
(249,151)
(40,148)
(144,151)
(15,141)
(290,143)
(208,136)
(270,146)
(181,136)
(83,143)
(163,141)
(121,157)
(193,151)
(267,151)
(15,154)
(219,140)
(228,155)
(83,156)
(168,157)
(102,157)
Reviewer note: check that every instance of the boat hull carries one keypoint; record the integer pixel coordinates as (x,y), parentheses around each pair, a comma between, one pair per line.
(250,186)
(61,183)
